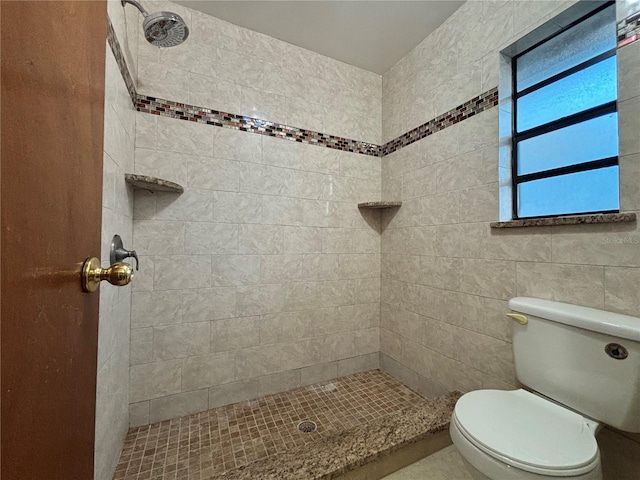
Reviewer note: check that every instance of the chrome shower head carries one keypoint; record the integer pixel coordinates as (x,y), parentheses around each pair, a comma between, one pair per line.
(165,29)
(162,29)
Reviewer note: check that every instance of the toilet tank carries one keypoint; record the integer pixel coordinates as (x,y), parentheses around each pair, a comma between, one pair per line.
(574,355)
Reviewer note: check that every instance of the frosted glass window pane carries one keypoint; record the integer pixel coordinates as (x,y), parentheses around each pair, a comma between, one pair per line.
(586,40)
(590,191)
(585,89)
(583,142)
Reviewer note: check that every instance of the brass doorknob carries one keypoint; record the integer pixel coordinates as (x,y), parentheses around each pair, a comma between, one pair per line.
(118,274)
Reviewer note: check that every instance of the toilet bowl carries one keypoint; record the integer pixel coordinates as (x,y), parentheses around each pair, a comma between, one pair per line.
(582,366)
(517,435)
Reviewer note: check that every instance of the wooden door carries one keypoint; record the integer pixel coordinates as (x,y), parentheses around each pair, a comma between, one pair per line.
(52,102)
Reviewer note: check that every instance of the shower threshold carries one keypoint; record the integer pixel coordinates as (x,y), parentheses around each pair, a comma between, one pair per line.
(367,425)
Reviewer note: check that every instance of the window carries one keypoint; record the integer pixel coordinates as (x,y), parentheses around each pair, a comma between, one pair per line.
(565,123)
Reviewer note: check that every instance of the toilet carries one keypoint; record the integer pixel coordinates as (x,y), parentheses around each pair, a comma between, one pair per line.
(582,367)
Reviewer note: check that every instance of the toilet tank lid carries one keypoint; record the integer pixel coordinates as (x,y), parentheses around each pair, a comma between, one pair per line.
(601,321)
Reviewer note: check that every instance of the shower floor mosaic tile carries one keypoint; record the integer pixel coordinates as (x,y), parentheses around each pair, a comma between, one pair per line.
(203,445)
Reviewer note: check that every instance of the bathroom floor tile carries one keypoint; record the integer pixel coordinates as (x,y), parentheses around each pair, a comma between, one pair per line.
(202,445)
(446,464)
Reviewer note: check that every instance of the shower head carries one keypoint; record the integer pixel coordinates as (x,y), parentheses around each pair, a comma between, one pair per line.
(165,29)
(162,29)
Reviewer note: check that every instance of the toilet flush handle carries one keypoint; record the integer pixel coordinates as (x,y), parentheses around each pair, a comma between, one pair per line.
(518,317)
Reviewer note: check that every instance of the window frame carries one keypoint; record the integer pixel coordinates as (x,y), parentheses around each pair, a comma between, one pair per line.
(576,118)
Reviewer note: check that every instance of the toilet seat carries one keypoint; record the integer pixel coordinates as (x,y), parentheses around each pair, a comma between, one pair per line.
(527,432)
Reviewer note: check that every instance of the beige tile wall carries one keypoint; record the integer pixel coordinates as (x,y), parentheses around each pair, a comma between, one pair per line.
(447,276)
(112,396)
(263,275)
(457,61)
(237,70)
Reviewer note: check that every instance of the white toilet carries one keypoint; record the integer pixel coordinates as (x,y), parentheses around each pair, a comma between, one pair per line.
(584,368)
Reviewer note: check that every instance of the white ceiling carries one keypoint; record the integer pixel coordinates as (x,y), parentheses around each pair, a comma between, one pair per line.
(369,34)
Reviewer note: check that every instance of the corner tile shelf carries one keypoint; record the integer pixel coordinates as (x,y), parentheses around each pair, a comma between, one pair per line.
(380,205)
(152,184)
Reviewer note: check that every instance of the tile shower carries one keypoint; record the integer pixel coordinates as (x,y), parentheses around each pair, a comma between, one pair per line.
(263,276)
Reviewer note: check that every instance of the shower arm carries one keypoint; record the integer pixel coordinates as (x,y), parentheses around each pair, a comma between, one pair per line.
(137,5)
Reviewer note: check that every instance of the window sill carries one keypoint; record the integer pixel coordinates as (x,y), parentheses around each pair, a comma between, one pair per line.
(575,220)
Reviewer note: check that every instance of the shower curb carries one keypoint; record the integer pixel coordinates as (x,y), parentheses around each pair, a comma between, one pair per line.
(386,444)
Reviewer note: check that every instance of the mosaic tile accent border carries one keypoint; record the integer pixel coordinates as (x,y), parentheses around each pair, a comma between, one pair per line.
(629,30)
(193,113)
(476,105)
(119,56)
